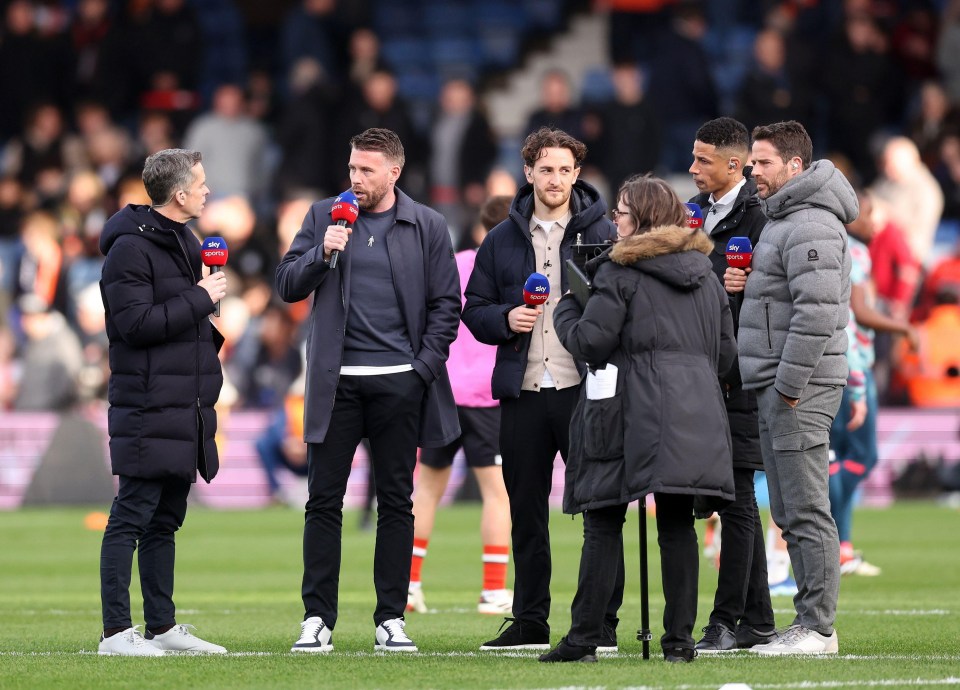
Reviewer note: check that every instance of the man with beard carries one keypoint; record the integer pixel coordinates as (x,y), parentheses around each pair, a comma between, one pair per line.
(381,326)
(793,347)
(535,379)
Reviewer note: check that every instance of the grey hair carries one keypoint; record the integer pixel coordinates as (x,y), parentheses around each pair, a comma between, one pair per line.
(168,171)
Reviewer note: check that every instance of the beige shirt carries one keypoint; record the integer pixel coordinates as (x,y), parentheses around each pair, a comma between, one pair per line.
(549,365)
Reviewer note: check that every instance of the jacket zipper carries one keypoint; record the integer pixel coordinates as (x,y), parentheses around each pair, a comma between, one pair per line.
(766,309)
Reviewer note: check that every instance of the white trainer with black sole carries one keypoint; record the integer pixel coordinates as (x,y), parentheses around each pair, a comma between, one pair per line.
(129,642)
(391,637)
(315,636)
(179,640)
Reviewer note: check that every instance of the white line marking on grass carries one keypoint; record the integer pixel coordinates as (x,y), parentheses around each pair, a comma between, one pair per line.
(882,612)
(804,684)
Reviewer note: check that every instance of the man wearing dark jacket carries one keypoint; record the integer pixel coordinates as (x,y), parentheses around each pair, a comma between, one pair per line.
(793,353)
(535,378)
(742,615)
(165,379)
(382,322)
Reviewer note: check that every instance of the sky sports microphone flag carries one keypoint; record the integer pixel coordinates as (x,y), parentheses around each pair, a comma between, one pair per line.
(213,253)
(694,216)
(344,212)
(536,290)
(739,252)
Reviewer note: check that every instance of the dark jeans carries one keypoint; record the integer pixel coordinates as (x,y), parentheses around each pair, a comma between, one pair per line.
(385,409)
(145,514)
(533,429)
(600,586)
(679,568)
(743,595)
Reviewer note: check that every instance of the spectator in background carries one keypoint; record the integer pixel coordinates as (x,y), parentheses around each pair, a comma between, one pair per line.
(263,368)
(948,50)
(557,108)
(42,264)
(234,146)
(911,193)
(304,133)
(44,152)
(164,42)
(681,85)
(52,359)
(863,87)
(470,364)
(92,36)
(913,41)
(311,29)
(769,92)
(896,272)
(10,367)
(281,444)
(463,149)
(253,252)
(629,138)
(365,59)
(948,175)
(11,215)
(935,119)
(635,27)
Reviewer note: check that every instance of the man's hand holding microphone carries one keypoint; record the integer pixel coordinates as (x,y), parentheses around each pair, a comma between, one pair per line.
(536,291)
(344,213)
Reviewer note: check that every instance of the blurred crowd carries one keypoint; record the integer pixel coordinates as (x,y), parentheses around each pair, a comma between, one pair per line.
(92,87)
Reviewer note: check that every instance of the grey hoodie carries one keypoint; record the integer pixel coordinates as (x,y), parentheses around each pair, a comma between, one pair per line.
(796,301)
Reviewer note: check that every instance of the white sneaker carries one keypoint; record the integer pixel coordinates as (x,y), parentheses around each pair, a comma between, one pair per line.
(391,637)
(179,640)
(799,640)
(415,600)
(496,602)
(127,643)
(315,636)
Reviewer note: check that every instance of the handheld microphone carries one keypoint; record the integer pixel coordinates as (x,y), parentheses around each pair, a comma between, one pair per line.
(739,252)
(694,216)
(214,254)
(536,290)
(344,212)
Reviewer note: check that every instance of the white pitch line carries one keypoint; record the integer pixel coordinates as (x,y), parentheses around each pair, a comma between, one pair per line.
(803,684)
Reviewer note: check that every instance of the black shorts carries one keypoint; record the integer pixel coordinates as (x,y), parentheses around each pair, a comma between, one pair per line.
(479,438)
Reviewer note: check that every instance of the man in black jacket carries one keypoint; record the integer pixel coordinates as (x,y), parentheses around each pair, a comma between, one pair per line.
(742,615)
(535,378)
(380,331)
(165,378)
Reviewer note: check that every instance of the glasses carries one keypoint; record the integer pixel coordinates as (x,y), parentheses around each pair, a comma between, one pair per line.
(616,213)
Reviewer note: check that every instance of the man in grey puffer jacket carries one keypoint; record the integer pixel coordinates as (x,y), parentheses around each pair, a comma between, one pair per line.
(792,352)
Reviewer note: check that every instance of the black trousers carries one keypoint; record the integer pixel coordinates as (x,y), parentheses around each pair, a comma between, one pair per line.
(679,568)
(533,429)
(385,409)
(600,585)
(145,514)
(743,595)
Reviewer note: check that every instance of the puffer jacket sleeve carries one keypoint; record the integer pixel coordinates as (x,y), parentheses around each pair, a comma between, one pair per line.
(128,292)
(813,261)
(728,341)
(593,336)
(483,313)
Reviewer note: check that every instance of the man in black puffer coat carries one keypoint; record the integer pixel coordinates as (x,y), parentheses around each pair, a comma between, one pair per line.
(165,378)
(742,615)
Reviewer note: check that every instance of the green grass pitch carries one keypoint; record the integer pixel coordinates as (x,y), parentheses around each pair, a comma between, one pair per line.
(238,581)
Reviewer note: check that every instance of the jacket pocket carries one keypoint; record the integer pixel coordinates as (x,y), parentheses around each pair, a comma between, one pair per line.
(800,440)
(766,314)
(603,429)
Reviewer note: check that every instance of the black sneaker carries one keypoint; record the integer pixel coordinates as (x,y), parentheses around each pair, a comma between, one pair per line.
(519,635)
(717,638)
(679,655)
(607,644)
(751,637)
(564,652)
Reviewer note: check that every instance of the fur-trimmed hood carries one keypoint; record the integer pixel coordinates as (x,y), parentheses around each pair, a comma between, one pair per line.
(675,255)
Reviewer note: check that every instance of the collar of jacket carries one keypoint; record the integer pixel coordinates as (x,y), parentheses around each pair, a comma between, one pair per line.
(666,239)
(406,207)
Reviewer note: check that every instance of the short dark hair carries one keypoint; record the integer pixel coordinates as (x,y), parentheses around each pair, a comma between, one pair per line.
(652,203)
(725,133)
(494,211)
(789,138)
(379,139)
(168,171)
(547,138)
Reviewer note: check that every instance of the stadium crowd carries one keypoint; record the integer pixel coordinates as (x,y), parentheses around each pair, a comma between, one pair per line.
(91,87)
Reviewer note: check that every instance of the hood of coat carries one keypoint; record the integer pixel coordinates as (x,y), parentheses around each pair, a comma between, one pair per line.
(672,254)
(138,220)
(819,186)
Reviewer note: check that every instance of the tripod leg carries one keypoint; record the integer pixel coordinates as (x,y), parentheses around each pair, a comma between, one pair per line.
(644,633)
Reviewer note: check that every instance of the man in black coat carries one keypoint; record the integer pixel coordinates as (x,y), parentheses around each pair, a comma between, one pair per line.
(165,378)
(380,331)
(742,615)
(535,379)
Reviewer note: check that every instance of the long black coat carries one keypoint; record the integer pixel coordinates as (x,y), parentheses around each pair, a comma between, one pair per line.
(660,317)
(427,284)
(744,219)
(165,376)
